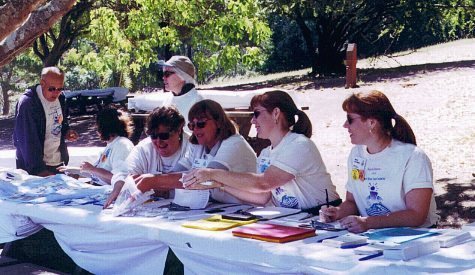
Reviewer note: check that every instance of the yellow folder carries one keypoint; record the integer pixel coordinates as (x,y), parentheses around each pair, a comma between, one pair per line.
(215,223)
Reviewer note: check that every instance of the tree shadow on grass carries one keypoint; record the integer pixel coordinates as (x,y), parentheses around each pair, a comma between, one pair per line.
(457,205)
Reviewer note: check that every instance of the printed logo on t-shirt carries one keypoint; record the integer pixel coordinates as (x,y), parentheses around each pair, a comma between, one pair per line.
(284,199)
(264,163)
(357,170)
(377,207)
(57,121)
(105,155)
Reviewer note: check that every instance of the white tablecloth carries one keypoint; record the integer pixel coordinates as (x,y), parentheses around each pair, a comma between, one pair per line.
(104,244)
(76,156)
(95,240)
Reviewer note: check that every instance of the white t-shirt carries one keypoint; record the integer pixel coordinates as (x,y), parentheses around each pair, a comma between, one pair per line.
(234,153)
(54,120)
(113,157)
(298,155)
(145,159)
(184,103)
(379,182)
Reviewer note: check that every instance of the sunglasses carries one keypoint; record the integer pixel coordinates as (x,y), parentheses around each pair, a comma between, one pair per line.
(200,124)
(168,73)
(257,113)
(161,136)
(52,89)
(351,119)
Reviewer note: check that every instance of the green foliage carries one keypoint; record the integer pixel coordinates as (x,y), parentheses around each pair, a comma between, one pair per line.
(222,35)
(378,27)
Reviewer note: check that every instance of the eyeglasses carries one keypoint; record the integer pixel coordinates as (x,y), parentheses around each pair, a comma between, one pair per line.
(200,124)
(256,113)
(52,89)
(161,136)
(168,73)
(351,119)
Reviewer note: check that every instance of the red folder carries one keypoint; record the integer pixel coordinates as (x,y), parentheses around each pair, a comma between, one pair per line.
(273,232)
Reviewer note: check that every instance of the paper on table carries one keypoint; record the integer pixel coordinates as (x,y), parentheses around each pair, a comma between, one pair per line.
(129,198)
(272,212)
(194,199)
(398,235)
(73,170)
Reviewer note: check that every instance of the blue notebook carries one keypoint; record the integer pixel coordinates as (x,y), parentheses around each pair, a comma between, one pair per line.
(399,235)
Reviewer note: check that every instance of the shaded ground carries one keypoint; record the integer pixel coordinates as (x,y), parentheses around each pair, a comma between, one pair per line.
(437,99)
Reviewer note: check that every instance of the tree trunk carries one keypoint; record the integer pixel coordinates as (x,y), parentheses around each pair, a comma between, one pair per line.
(6,99)
(11,17)
(307,36)
(6,87)
(330,43)
(38,23)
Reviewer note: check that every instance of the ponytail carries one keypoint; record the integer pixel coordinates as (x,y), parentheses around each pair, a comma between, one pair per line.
(303,125)
(402,131)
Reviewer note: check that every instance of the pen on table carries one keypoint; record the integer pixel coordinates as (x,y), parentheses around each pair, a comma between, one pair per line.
(353,245)
(371,256)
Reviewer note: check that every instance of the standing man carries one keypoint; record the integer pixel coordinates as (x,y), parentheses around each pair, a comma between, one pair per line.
(41,126)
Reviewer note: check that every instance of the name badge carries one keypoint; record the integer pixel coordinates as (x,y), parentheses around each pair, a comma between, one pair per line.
(357,170)
(199,163)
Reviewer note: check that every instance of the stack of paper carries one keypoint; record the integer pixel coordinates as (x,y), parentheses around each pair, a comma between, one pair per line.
(453,237)
(345,240)
(413,249)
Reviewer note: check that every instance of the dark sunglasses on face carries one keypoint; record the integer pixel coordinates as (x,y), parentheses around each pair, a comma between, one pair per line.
(351,119)
(161,136)
(52,89)
(168,73)
(257,113)
(200,124)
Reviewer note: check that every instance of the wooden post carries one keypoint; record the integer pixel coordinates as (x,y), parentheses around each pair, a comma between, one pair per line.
(351,59)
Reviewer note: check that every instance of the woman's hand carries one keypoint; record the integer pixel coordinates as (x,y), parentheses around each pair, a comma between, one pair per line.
(197,176)
(87,167)
(114,194)
(146,182)
(354,224)
(328,214)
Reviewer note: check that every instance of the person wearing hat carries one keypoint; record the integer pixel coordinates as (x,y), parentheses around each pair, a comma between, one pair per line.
(179,77)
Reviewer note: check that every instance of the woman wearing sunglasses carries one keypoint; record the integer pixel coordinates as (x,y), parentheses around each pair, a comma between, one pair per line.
(179,77)
(157,154)
(215,143)
(390,178)
(114,127)
(291,172)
